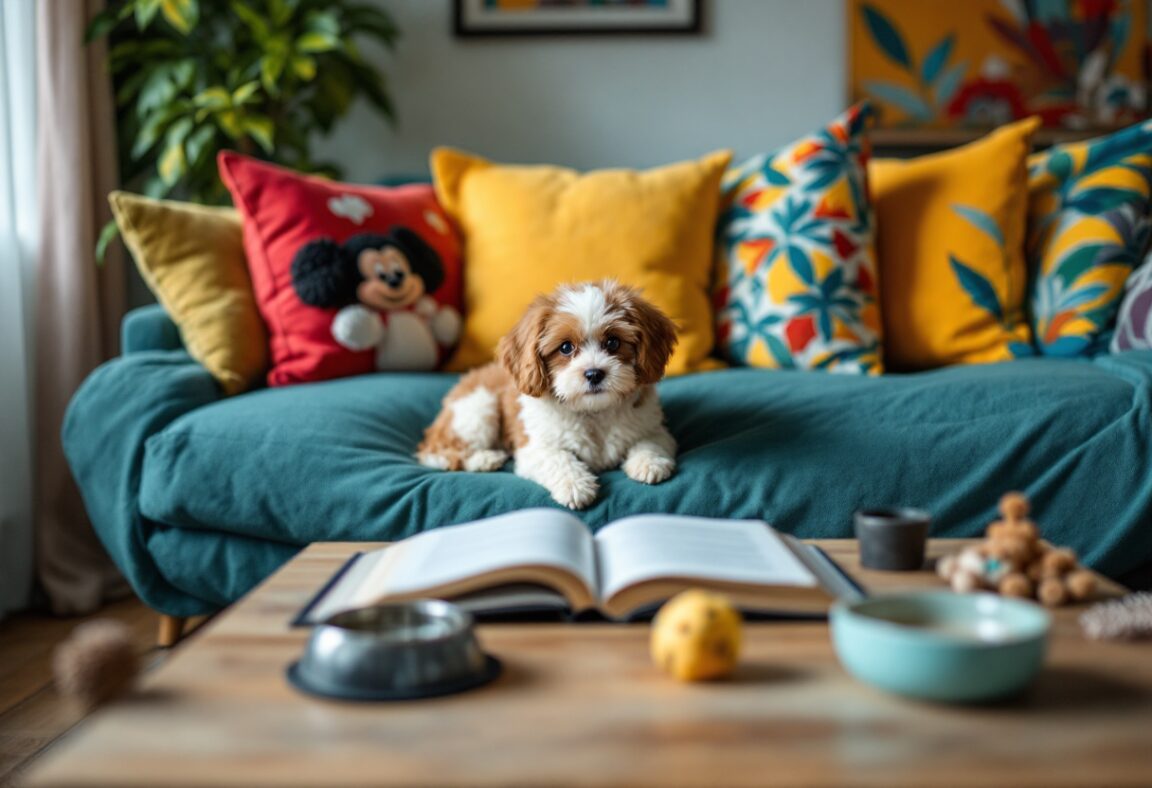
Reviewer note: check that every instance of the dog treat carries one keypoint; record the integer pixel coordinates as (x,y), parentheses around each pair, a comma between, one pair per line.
(1013,561)
(696,636)
(1127,618)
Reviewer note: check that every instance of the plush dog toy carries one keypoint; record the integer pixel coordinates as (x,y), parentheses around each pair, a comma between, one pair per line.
(382,285)
(1014,561)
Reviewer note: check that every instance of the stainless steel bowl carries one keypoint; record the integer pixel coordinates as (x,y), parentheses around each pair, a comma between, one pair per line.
(399,651)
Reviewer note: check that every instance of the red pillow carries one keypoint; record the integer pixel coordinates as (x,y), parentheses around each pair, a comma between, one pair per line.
(350,279)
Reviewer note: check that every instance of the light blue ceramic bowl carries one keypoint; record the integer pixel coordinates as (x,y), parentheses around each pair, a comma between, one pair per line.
(941,646)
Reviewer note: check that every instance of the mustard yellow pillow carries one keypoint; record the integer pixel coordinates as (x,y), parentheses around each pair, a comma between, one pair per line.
(192,258)
(529,228)
(950,246)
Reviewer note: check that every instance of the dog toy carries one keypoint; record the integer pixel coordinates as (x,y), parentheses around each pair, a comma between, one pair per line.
(1127,618)
(696,636)
(1013,561)
(95,663)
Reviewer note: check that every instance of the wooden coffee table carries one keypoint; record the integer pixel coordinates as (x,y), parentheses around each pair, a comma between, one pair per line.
(583,704)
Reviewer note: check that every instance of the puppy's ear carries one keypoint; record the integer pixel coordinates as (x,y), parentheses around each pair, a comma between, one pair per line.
(657,337)
(519,349)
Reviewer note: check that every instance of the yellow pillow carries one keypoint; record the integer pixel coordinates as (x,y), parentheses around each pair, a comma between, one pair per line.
(192,258)
(950,247)
(530,228)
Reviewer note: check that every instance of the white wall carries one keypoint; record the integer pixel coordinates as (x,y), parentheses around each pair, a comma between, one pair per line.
(762,73)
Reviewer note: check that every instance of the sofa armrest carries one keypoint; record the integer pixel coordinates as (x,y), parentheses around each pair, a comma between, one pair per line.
(148,328)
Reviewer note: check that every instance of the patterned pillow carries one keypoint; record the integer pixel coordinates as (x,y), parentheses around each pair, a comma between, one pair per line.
(796,265)
(1088,226)
(1134,324)
(950,247)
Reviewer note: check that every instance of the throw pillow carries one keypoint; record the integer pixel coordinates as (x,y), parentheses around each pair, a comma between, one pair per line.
(797,268)
(192,259)
(350,279)
(1134,323)
(950,242)
(1087,229)
(530,228)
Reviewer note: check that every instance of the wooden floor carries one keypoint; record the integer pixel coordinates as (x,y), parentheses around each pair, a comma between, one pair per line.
(32,714)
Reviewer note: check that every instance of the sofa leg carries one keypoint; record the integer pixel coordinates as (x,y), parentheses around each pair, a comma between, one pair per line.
(171,630)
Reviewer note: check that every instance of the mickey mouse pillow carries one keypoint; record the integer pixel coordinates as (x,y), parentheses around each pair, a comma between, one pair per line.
(349,279)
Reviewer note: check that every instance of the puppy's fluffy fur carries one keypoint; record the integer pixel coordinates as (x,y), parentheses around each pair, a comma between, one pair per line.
(571,395)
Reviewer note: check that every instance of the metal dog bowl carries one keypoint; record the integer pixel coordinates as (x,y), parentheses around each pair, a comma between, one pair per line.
(402,651)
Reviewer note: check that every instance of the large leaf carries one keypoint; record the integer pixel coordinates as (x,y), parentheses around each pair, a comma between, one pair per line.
(109,231)
(145,12)
(172,164)
(901,97)
(949,83)
(1073,264)
(252,19)
(936,58)
(978,288)
(158,89)
(312,43)
(197,144)
(182,14)
(261,129)
(982,222)
(886,36)
(1102,199)
(801,265)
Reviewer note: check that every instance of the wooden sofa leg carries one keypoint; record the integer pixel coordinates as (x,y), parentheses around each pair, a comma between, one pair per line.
(171,630)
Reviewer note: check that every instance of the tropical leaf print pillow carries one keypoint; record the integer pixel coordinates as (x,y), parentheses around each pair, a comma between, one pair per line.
(1088,228)
(796,269)
(950,249)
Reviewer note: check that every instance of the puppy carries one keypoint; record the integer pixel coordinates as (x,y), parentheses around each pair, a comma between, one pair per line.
(571,395)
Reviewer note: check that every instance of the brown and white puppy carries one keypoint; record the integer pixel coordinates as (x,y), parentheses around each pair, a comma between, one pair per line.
(570,396)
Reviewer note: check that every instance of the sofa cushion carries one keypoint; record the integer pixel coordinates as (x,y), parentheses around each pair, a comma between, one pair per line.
(1088,226)
(318,329)
(333,460)
(192,259)
(950,245)
(528,229)
(796,278)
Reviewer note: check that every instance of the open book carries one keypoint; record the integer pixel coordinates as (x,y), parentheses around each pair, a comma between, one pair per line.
(546,559)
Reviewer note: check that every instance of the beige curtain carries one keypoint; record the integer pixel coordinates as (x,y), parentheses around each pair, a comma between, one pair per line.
(79,305)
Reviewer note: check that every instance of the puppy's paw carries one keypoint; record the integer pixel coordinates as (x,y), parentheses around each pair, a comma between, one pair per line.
(649,468)
(576,491)
(485,460)
(436,461)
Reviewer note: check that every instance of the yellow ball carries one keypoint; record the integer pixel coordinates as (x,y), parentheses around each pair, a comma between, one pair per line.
(696,636)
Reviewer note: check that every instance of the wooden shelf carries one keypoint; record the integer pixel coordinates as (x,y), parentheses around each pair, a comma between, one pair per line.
(948,138)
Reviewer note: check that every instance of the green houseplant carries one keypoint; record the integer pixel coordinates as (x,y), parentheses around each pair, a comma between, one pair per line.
(264,77)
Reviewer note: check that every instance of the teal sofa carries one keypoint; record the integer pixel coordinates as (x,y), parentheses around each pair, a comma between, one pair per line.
(198,497)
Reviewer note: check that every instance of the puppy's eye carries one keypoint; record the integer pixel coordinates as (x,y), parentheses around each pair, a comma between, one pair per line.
(566,348)
(611,344)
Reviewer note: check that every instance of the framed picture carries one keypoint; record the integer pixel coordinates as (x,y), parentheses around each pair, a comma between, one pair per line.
(575,17)
(948,66)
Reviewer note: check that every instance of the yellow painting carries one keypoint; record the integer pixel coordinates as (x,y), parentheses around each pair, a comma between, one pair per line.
(1079,64)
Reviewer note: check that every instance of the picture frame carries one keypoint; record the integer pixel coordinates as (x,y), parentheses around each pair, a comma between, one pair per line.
(484,18)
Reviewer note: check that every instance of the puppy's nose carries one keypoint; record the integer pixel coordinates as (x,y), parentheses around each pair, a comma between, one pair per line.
(594,376)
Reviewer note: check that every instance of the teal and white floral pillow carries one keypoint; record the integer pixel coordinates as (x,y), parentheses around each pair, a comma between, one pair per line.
(796,258)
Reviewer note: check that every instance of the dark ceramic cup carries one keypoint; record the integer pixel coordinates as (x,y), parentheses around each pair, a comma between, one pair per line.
(892,538)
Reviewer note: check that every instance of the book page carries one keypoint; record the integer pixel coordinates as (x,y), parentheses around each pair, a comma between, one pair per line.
(539,537)
(657,546)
